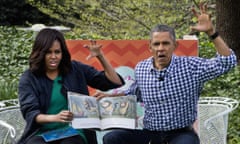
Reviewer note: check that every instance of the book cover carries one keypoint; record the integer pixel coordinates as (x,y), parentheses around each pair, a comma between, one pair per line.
(59,134)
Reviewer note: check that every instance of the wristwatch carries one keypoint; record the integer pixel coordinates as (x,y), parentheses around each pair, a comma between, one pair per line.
(213,36)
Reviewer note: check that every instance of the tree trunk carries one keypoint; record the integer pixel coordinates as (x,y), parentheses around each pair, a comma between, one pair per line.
(228,23)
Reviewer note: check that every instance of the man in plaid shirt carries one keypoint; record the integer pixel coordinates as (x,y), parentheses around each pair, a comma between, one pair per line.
(170,86)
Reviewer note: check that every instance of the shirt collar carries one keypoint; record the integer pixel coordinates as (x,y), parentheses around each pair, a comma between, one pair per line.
(151,67)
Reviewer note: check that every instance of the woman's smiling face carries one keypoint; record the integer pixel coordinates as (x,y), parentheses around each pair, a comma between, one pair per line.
(162,47)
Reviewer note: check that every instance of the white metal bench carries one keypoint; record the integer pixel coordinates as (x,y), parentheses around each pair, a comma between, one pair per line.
(213,120)
(11,122)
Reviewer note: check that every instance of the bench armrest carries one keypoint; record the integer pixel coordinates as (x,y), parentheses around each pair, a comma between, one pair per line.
(10,128)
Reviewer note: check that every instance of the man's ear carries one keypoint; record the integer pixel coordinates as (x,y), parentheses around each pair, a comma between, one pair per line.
(176,44)
(149,45)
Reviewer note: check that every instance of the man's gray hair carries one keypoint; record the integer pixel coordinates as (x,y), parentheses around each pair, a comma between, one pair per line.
(163,28)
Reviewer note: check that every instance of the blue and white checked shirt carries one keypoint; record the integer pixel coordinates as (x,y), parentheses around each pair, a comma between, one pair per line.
(171,103)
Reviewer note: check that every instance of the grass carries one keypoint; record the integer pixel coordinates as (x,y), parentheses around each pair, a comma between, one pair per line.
(8,90)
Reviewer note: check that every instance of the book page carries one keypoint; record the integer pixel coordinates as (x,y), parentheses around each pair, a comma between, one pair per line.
(118,112)
(85,111)
(140,115)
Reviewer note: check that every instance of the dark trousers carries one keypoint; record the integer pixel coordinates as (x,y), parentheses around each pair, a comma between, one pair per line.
(180,136)
(70,140)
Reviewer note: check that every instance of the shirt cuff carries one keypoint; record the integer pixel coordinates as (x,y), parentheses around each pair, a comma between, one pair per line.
(231,59)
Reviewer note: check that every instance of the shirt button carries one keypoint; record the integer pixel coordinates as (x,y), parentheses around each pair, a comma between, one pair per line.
(161,102)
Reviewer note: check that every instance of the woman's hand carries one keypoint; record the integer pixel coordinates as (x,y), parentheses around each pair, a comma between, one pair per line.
(94,48)
(100,95)
(64,116)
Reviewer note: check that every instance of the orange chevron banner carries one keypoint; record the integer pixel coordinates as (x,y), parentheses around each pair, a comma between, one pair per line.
(125,52)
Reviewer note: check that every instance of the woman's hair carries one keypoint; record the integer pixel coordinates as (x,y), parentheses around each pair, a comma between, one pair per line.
(43,42)
(163,28)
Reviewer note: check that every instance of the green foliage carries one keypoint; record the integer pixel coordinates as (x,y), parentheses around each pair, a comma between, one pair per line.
(15,48)
(8,90)
(119,19)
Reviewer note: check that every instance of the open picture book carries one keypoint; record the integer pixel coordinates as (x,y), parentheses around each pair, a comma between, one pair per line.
(106,113)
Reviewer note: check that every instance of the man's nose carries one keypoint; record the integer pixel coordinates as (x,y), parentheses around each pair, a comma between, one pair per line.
(160,47)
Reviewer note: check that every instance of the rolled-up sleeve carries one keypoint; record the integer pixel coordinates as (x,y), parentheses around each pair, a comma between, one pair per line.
(228,61)
(206,69)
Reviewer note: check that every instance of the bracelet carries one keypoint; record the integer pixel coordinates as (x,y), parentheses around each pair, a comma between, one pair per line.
(213,36)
